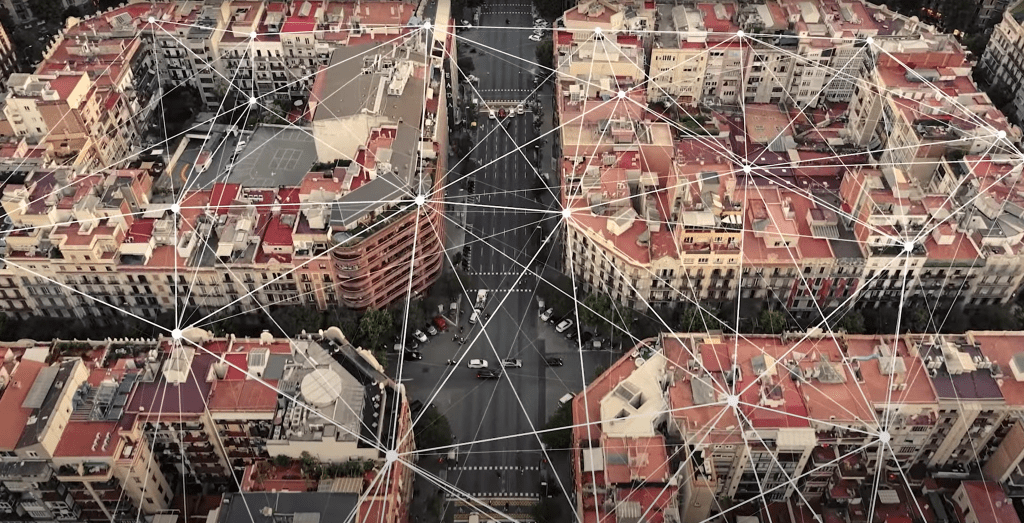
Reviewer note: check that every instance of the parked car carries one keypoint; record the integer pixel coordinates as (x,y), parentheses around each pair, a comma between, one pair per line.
(512,362)
(440,323)
(534,38)
(412,344)
(431,330)
(477,364)
(554,361)
(546,315)
(420,336)
(563,326)
(519,109)
(566,399)
(488,374)
(413,355)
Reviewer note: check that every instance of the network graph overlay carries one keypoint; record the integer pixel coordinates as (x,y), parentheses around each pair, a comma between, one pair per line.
(611,224)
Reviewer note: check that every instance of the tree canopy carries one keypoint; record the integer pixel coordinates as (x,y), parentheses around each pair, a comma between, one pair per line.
(561,419)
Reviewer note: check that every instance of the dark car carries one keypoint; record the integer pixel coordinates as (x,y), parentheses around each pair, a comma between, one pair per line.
(488,374)
(413,355)
(412,344)
(415,406)
(554,361)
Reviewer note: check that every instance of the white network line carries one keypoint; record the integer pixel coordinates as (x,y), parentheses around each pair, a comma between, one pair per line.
(525,268)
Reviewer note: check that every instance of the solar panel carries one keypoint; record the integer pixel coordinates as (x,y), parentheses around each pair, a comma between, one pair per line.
(40,388)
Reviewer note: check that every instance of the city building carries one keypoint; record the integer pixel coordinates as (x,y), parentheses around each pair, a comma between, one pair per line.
(104,439)
(107,239)
(1001,65)
(804,430)
(824,220)
(21,10)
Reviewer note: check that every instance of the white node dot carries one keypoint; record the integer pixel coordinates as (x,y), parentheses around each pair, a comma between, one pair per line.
(1001,135)
(176,334)
(391,456)
(426,25)
(252,100)
(420,200)
(152,20)
(870,40)
(253,35)
(175,208)
(884,436)
(597,30)
(566,213)
(622,94)
(732,400)
(739,33)
(747,169)
(908,247)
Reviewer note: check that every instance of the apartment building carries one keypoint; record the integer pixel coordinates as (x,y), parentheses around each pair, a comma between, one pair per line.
(104,440)
(21,10)
(826,224)
(1001,64)
(804,429)
(87,244)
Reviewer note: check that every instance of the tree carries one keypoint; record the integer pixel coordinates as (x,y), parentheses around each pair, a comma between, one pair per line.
(558,427)
(374,328)
(417,316)
(545,54)
(596,310)
(432,430)
(465,64)
(852,322)
(548,510)
(293,319)
(282,461)
(690,319)
(48,10)
(771,321)
(550,8)
(916,319)
(992,318)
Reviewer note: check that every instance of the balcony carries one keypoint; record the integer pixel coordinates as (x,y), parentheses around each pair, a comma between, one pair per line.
(852,467)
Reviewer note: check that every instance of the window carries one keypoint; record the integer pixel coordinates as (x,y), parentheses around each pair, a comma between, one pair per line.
(32,454)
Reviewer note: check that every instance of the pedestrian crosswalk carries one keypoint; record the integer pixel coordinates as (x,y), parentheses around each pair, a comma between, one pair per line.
(495,467)
(498,273)
(512,498)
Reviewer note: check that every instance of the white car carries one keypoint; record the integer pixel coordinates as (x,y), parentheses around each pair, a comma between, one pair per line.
(566,399)
(477,364)
(546,315)
(423,337)
(563,326)
(540,21)
(519,109)
(534,38)
(512,362)
(491,115)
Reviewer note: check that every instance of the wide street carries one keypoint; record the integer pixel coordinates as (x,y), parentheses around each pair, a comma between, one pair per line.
(500,459)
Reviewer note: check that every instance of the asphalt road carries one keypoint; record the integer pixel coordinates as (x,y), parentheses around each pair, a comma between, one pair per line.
(500,456)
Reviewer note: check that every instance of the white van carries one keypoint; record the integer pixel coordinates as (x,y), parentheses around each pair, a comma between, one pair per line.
(566,399)
(474,317)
